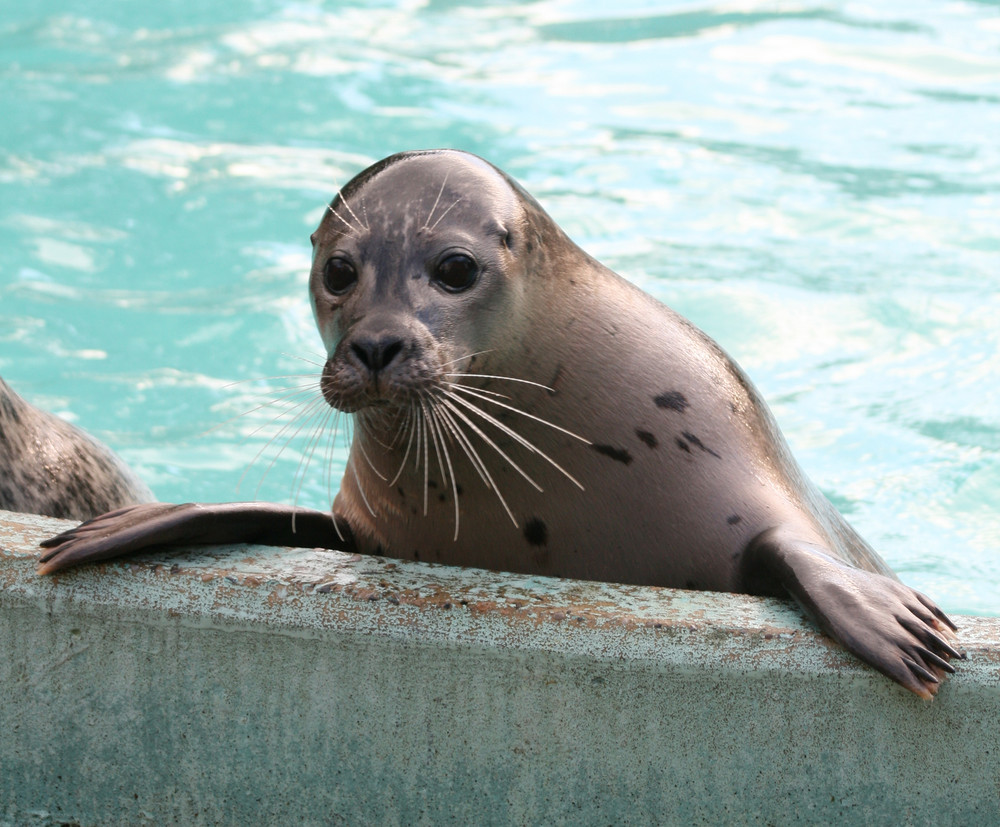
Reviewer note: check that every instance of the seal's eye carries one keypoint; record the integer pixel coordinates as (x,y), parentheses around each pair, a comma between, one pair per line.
(339,275)
(456,273)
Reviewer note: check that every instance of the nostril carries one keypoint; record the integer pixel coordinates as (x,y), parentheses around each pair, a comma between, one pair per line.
(390,351)
(377,354)
(362,352)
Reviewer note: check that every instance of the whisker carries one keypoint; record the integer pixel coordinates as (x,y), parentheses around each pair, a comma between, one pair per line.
(496,394)
(434,437)
(513,434)
(354,215)
(479,395)
(474,457)
(504,378)
(411,423)
(361,488)
(455,204)
(353,230)
(486,438)
(322,419)
(430,215)
(466,356)
(314,410)
(423,422)
(447,458)
(308,411)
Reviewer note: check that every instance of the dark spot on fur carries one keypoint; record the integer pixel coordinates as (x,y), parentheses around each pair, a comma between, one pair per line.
(402,493)
(617,454)
(442,497)
(648,438)
(672,400)
(535,532)
(416,555)
(683,445)
(699,444)
(734,519)
(458,489)
(432,484)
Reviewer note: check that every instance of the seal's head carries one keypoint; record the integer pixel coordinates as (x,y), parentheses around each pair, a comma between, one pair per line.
(415,264)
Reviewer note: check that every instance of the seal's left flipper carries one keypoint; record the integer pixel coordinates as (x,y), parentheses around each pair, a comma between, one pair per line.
(163,524)
(885,623)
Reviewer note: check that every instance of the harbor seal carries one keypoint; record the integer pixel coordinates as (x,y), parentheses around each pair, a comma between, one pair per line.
(50,467)
(518,406)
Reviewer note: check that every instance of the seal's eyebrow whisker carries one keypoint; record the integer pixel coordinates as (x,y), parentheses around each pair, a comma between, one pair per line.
(353,230)
(430,215)
(354,215)
(454,204)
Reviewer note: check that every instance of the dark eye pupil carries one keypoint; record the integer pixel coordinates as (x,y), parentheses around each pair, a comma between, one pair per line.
(339,275)
(457,272)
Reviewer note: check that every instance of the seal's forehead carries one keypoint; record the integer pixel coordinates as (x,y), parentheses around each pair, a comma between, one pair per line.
(421,179)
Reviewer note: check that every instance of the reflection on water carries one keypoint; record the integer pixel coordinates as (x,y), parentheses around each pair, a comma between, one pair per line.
(814,184)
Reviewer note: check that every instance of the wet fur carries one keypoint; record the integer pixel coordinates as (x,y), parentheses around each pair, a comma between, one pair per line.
(50,467)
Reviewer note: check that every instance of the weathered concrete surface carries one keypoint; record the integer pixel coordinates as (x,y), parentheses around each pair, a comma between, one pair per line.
(253,685)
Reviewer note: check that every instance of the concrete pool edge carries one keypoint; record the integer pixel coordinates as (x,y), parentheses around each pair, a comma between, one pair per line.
(253,683)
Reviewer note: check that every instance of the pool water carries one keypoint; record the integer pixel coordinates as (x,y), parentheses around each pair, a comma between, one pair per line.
(815,184)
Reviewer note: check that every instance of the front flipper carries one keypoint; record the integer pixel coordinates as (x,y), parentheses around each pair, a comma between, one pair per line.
(156,524)
(888,625)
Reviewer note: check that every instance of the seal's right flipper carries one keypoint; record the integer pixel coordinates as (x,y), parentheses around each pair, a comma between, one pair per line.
(885,623)
(156,524)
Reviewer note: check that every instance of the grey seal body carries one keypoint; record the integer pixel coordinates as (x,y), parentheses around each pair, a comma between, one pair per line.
(50,467)
(519,406)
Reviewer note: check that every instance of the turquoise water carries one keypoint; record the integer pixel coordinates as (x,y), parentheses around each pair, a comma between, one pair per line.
(817,185)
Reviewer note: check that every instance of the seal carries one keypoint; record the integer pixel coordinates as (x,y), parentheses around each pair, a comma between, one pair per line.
(518,406)
(50,467)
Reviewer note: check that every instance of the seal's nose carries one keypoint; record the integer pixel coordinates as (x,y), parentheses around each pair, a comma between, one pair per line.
(377,352)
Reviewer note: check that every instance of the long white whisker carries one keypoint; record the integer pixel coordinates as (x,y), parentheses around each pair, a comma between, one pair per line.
(480,395)
(371,464)
(299,479)
(513,434)
(466,356)
(504,378)
(485,438)
(411,424)
(304,408)
(423,422)
(361,488)
(496,394)
(447,458)
(474,457)
(428,415)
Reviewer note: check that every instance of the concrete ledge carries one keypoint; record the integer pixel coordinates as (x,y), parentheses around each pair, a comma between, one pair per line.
(254,685)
